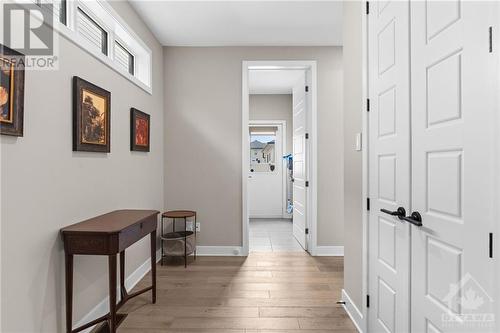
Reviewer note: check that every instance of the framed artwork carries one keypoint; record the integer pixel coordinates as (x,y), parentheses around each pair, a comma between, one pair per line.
(91,117)
(139,130)
(11,91)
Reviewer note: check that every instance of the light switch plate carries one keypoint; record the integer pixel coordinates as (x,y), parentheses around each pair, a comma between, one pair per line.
(358,142)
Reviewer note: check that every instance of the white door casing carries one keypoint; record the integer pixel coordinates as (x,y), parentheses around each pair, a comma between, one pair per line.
(265,189)
(389,167)
(452,164)
(300,157)
(310,67)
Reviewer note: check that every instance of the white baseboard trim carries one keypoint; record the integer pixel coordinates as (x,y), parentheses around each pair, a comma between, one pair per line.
(334,251)
(219,251)
(353,312)
(103,307)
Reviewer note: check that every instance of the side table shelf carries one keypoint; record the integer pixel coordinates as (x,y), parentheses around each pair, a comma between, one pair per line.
(178,243)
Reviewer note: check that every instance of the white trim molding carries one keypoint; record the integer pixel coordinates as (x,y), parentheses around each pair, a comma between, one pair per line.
(365,191)
(353,312)
(103,306)
(226,251)
(328,251)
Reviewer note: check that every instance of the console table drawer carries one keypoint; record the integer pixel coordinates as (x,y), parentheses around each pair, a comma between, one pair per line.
(88,244)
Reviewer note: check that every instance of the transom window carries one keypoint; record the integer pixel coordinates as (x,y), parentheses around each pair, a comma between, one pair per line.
(124,58)
(89,29)
(96,27)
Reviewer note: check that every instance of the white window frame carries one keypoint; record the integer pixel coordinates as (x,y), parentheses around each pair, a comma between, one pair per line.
(81,6)
(117,29)
(123,45)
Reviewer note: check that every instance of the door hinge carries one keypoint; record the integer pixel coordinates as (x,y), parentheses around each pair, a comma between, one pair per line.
(307,88)
(490,250)
(367,105)
(367,203)
(367,7)
(307,135)
(490,38)
(307,183)
(367,301)
(307,231)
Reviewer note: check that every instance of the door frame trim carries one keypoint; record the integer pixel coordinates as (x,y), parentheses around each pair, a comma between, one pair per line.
(311,78)
(365,155)
(282,125)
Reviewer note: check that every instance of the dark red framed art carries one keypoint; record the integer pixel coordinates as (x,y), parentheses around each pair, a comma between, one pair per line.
(140,130)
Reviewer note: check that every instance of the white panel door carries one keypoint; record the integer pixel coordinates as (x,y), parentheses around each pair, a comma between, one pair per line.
(389,165)
(265,188)
(299,162)
(452,165)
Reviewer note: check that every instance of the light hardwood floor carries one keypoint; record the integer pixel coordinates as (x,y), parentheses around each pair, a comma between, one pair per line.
(264,292)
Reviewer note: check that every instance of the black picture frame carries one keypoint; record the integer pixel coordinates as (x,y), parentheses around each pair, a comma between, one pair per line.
(88,128)
(14,125)
(135,141)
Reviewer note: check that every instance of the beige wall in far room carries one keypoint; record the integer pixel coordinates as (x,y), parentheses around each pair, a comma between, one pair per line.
(273,107)
(203,136)
(46,186)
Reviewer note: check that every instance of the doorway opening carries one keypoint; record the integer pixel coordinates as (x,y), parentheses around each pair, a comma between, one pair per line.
(279,153)
(270,192)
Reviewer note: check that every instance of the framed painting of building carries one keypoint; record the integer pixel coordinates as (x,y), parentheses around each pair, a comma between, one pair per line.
(11,91)
(91,117)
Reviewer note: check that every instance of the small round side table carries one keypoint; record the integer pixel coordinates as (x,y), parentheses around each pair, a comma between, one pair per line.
(175,235)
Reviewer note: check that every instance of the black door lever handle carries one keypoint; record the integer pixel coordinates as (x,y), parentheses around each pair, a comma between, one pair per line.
(400,212)
(415,219)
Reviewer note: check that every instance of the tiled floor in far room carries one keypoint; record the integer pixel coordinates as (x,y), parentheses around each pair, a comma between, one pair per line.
(272,235)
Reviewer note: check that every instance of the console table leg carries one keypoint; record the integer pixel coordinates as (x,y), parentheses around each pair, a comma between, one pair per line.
(123,290)
(69,292)
(112,292)
(153,266)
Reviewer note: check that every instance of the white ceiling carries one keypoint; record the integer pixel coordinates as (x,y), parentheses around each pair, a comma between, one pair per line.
(243,23)
(273,81)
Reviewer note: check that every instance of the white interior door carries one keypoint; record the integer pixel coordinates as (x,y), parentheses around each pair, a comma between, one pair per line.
(389,167)
(452,165)
(265,186)
(299,162)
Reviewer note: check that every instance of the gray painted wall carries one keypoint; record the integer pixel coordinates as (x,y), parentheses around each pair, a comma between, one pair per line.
(273,107)
(353,108)
(46,186)
(203,136)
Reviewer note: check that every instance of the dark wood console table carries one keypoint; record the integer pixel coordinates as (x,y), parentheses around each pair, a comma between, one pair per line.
(108,235)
